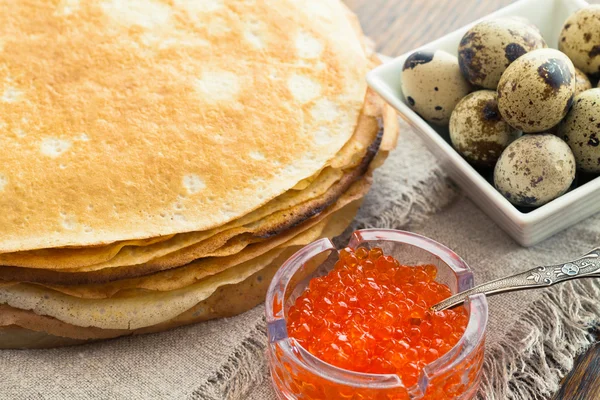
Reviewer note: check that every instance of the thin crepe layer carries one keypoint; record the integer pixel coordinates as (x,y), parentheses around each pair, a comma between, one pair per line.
(189,274)
(139,251)
(226,300)
(268,228)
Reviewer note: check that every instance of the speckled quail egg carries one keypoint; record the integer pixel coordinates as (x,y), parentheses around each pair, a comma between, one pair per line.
(582,82)
(489,47)
(535,169)
(536,91)
(580,39)
(477,131)
(581,130)
(433,85)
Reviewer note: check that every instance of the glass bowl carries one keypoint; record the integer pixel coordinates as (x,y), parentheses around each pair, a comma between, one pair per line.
(297,374)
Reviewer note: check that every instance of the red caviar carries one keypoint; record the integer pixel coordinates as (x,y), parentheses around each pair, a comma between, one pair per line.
(371,314)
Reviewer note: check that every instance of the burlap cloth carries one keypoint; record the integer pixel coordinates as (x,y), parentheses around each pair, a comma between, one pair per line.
(532,339)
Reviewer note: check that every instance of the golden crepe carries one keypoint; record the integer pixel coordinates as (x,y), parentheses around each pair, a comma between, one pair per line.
(33,275)
(163,159)
(193,143)
(16,325)
(177,278)
(226,300)
(16,328)
(189,274)
(136,252)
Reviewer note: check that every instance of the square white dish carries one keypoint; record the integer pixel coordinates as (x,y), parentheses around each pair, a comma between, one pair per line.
(527,228)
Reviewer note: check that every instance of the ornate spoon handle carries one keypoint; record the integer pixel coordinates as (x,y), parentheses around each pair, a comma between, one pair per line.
(587,266)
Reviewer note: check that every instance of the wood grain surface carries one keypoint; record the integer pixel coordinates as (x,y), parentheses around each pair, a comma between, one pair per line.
(397,26)
(582,383)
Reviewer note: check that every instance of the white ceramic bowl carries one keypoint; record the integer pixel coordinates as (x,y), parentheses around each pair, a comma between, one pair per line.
(527,228)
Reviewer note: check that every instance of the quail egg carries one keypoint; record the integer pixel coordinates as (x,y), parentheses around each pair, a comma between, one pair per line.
(580,39)
(535,169)
(477,131)
(581,130)
(433,85)
(582,82)
(536,91)
(490,46)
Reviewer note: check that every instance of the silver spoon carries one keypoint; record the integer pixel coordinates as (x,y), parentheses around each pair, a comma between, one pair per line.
(587,266)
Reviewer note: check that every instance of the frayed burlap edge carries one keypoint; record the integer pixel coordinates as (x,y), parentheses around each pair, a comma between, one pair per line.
(530,361)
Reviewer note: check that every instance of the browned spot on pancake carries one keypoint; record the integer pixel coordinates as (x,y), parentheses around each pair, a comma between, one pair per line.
(595,51)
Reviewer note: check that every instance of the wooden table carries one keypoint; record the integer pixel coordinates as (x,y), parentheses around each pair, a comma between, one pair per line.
(397,26)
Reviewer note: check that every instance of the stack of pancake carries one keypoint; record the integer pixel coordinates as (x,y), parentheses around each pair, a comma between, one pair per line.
(162,159)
